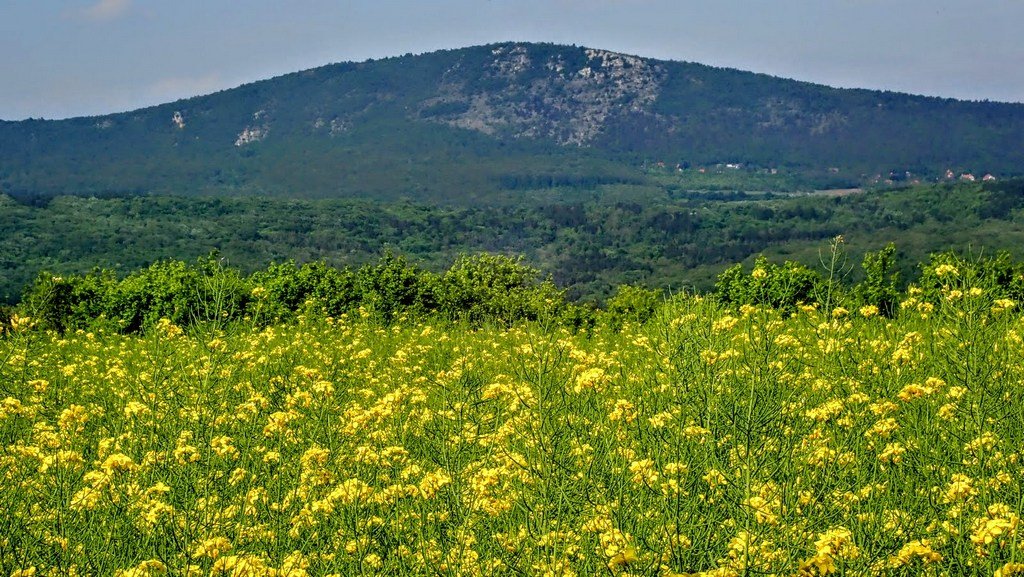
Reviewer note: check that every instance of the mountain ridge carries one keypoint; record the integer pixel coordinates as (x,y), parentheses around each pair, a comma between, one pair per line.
(464,121)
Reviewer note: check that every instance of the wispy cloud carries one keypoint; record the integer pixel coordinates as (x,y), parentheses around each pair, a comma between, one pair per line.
(107,9)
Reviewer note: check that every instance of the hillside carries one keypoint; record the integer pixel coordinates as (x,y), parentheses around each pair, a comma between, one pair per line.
(483,124)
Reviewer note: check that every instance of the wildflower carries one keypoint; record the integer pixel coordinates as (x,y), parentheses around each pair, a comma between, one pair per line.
(836,544)
(1009,569)
(590,379)
(917,549)
(1000,305)
(116,463)
(644,472)
(714,478)
(998,521)
(985,442)
(825,411)
(659,420)
(20,324)
(623,411)
(222,447)
(868,311)
(433,482)
(914,391)
(149,568)
(960,487)
(882,428)
(73,419)
(723,324)
(892,453)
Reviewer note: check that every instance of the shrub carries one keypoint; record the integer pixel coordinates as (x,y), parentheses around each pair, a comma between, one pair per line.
(778,286)
(632,304)
(880,287)
(999,276)
(68,302)
(494,287)
(282,290)
(393,286)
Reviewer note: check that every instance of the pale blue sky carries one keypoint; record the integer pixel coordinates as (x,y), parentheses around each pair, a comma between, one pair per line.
(83,57)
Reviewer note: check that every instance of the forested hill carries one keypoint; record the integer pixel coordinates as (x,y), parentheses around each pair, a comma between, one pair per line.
(481,123)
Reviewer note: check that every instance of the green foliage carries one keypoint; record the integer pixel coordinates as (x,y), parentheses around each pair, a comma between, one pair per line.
(999,276)
(777,286)
(5,315)
(488,286)
(483,288)
(631,303)
(393,286)
(881,284)
(63,302)
(588,242)
(284,289)
(181,293)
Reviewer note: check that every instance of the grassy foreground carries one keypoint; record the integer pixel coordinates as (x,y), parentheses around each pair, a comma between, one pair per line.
(706,441)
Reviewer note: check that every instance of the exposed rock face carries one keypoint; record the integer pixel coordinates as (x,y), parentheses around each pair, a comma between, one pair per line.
(567,102)
(251,134)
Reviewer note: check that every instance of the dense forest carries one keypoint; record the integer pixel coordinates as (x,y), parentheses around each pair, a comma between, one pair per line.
(587,241)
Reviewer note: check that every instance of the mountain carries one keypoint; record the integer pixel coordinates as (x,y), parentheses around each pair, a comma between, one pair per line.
(484,123)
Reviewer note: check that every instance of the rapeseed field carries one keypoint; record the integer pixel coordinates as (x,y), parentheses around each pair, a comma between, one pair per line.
(707,441)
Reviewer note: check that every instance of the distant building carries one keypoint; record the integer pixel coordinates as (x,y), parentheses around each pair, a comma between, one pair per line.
(949,174)
(988,178)
(967,177)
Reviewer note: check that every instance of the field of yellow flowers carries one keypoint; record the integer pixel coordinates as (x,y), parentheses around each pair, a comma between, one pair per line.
(707,441)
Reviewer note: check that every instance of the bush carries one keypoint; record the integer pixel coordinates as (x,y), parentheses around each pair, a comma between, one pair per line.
(998,276)
(68,302)
(880,287)
(781,287)
(494,287)
(205,292)
(282,290)
(632,304)
(393,286)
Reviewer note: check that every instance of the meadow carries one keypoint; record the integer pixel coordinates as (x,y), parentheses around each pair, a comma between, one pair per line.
(710,439)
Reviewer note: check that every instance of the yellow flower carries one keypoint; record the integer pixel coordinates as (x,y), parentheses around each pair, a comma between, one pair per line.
(868,311)
(590,379)
(213,548)
(1009,569)
(117,463)
(149,568)
(914,391)
(917,549)
(623,410)
(221,445)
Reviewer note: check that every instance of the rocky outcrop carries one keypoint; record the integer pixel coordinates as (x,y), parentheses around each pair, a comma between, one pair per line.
(550,98)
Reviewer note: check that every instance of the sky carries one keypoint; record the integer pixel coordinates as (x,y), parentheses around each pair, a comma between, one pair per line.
(64,58)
